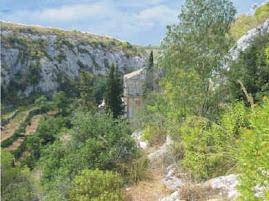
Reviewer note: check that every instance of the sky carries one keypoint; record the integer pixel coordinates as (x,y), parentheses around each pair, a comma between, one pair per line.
(140,22)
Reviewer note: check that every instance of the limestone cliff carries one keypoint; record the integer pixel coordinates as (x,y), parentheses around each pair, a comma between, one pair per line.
(36,59)
(246,40)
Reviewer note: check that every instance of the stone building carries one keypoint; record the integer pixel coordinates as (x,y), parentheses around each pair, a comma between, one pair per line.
(133,91)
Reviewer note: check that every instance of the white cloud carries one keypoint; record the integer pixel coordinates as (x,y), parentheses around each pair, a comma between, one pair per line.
(72,12)
(120,19)
(162,14)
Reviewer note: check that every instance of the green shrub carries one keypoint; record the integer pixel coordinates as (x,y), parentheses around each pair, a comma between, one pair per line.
(96,185)
(34,73)
(210,147)
(98,141)
(254,153)
(43,104)
(60,41)
(60,57)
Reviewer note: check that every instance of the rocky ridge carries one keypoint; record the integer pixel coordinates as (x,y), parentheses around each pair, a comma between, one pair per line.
(245,41)
(36,59)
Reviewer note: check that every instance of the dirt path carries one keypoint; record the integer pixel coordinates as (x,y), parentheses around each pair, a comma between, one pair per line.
(29,130)
(151,189)
(12,126)
(32,127)
(16,144)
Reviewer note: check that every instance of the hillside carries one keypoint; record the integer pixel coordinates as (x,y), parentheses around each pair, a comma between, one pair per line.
(41,60)
(190,122)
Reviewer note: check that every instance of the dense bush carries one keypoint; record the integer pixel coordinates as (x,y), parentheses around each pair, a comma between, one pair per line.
(210,147)
(98,141)
(96,185)
(17,183)
(43,104)
(254,153)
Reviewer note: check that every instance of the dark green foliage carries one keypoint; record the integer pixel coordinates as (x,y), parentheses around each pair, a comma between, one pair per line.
(148,85)
(252,70)
(45,134)
(62,103)
(48,128)
(68,85)
(114,93)
(22,80)
(83,51)
(99,141)
(60,57)
(33,76)
(81,65)
(87,92)
(100,88)
(17,183)
(60,41)
(43,104)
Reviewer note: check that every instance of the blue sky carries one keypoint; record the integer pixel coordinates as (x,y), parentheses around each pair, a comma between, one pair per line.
(137,21)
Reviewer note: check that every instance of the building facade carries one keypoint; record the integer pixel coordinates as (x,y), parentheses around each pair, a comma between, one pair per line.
(133,91)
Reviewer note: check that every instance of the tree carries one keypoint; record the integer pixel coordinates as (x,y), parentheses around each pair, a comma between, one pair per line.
(114,93)
(87,100)
(148,85)
(61,102)
(43,104)
(193,52)
(252,70)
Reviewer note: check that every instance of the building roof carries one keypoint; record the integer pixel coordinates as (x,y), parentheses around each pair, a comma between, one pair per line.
(132,74)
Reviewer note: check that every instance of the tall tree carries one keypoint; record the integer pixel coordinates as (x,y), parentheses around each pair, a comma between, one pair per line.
(193,52)
(148,85)
(87,91)
(114,93)
(62,102)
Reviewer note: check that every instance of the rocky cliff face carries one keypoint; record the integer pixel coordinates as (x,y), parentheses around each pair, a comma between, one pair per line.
(246,40)
(35,59)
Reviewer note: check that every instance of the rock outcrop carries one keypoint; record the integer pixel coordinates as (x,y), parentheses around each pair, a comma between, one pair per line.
(245,41)
(226,184)
(137,136)
(36,59)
